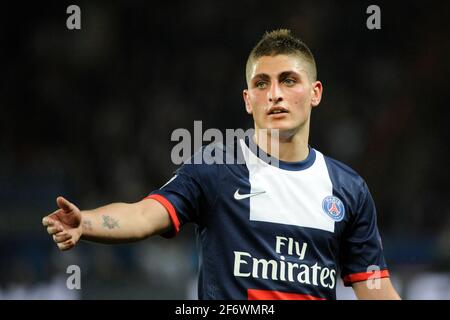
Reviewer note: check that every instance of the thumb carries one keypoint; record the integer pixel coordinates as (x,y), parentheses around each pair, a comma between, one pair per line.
(65,205)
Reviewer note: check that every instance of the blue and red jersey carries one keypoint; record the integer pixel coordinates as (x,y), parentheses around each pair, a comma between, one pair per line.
(284,231)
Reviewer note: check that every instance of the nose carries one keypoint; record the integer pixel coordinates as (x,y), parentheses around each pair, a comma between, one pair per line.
(275,94)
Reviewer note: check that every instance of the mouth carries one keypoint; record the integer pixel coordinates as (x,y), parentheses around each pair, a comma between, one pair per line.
(277,110)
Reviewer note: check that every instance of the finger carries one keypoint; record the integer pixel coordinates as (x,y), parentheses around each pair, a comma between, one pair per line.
(63,247)
(47,220)
(65,205)
(66,245)
(54,229)
(61,237)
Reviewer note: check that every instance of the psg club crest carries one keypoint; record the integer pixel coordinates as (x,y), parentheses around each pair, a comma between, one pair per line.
(334,208)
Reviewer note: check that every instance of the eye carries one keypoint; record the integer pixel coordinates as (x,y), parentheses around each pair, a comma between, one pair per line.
(289,82)
(261,84)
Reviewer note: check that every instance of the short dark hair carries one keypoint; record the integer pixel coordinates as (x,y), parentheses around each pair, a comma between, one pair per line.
(281,41)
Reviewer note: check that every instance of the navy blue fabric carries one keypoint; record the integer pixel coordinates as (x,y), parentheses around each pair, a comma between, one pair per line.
(361,245)
(203,194)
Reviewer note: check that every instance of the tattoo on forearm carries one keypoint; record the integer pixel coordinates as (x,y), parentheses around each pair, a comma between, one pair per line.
(87,225)
(110,223)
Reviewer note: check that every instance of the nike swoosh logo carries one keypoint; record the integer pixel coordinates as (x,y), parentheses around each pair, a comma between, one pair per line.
(239,196)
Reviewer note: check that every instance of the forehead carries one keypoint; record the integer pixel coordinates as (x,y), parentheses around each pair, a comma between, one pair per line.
(274,65)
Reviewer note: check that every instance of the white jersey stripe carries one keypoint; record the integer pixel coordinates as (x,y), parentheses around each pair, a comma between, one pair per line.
(291,197)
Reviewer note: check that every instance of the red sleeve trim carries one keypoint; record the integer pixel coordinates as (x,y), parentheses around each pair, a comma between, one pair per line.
(172,213)
(254,294)
(363,276)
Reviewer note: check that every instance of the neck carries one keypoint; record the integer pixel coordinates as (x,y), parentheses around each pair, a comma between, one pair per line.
(286,146)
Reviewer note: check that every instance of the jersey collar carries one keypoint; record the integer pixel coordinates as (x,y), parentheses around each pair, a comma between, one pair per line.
(285,165)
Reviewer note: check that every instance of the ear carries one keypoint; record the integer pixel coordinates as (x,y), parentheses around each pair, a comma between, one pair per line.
(317,90)
(248,106)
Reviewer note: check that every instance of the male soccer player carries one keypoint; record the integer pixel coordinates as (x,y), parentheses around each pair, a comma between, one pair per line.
(284,231)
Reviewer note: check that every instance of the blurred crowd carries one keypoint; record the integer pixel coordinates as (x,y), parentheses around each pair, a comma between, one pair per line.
(89,113)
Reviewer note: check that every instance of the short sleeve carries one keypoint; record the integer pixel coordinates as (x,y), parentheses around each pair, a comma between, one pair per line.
(182,196)
(362,255)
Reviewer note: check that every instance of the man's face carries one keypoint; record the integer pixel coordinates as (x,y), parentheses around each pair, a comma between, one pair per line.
(280,93)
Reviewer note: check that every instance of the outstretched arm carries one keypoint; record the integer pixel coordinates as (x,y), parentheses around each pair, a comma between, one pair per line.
(367,291)
(113,223)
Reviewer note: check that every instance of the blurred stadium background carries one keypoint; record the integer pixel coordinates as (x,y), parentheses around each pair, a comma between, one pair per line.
(88,114)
